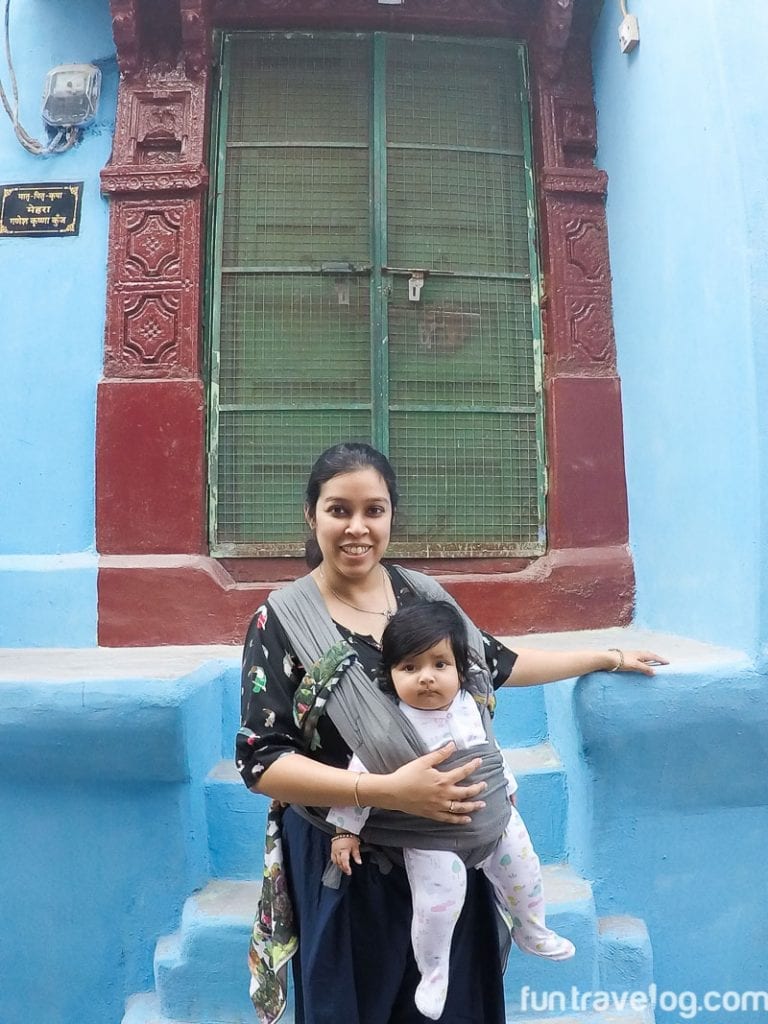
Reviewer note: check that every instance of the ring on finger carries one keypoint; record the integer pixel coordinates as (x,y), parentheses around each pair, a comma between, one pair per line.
(450,807)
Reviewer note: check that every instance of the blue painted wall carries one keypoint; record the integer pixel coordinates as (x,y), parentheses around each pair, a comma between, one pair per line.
(104,837)
(52,292)
(679,134)
(671,823)
(670,808)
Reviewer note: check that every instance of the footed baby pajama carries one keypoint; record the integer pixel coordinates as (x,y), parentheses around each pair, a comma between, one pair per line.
(438,878)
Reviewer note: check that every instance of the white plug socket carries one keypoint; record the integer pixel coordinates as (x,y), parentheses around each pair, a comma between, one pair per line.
(629,33)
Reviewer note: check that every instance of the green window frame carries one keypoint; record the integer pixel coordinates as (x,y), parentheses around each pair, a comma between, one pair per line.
(344,165)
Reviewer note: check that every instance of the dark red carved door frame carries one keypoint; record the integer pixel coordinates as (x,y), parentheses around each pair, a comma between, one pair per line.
(157,584)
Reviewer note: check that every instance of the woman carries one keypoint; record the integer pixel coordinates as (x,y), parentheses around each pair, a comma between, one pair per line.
(354,961)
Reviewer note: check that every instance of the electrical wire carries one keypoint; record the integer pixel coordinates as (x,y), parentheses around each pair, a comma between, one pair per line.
(63,140)
(623,6)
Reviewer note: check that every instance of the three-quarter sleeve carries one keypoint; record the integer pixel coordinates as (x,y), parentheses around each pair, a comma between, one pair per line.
(270,674)
(500,659)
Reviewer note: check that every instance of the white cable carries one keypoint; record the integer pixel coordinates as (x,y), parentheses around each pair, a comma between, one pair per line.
(64,139)
(623,6)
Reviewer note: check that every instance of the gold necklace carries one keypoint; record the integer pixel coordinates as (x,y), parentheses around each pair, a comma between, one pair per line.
(366,611)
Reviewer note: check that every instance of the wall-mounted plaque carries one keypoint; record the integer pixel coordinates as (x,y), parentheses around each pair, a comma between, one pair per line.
(43,209)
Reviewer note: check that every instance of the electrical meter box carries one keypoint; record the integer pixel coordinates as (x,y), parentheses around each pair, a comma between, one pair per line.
(71,95)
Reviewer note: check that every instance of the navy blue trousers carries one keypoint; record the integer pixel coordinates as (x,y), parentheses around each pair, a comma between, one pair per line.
(355,964)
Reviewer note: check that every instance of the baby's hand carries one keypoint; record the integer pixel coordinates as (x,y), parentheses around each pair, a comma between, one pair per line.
(345,848)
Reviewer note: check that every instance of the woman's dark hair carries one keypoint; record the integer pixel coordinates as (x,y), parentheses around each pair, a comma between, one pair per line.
(343,458)
(417,627)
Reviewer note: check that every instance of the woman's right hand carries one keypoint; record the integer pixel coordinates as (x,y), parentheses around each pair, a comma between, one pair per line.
(419,788)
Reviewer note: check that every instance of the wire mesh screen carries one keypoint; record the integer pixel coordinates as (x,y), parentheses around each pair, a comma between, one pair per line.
(463,426)
(298,205)
(298,89)
(313,344)
(468,480)
(293,370)
(463,423)
(285,339)
(264,461)
(466,344)
(456,211)
(453,94)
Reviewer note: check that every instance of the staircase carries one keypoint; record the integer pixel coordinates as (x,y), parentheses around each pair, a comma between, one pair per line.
(200,971)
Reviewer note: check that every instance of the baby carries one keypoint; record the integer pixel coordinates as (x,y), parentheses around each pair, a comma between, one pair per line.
(425,658)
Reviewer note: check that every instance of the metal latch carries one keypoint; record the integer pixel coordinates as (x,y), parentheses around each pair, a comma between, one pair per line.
(415,284)
(341,272)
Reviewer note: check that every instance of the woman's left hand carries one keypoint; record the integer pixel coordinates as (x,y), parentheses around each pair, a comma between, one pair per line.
(636,661)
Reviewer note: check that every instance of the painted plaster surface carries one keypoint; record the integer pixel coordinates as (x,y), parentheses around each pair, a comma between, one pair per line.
(101,774)
(679,134)
(675,823)
(743,78)
(51,338)
(669,804)
(668,809)
(47,598)
(115,768)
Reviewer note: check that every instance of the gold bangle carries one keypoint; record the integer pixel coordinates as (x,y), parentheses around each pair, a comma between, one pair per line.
(357,792)
(620,653)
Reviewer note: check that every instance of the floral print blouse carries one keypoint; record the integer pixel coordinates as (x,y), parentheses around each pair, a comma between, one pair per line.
(271,673)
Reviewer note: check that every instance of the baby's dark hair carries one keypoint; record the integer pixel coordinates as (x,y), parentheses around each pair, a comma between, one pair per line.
(417,627)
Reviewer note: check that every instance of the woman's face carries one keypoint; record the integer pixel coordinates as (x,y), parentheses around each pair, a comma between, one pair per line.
(352,522)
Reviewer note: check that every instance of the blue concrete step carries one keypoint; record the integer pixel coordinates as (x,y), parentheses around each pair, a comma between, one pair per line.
(236,817)
(542,798)
(201,974)
(144,1009)
(571,913)
(236,823)
(521,716)
(201,971)
(625,954)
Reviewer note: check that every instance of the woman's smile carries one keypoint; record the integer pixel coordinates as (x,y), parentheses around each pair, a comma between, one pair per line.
(356,549)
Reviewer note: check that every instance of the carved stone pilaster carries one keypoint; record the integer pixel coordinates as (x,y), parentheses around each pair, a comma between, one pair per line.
(196,36)
(152,327)
(156,180)
(577,309)
(150,446)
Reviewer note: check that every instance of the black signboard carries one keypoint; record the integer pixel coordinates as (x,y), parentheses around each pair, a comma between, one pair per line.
(43,209)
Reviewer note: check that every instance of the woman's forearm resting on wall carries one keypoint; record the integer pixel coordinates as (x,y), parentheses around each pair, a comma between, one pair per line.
(539,666)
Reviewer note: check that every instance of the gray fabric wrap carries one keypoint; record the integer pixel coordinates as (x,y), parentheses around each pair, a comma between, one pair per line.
(373,726)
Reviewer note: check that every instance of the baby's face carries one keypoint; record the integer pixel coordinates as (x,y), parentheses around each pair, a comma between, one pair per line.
(428,681)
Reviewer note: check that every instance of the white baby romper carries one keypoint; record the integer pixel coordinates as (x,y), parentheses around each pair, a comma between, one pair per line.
(438,878)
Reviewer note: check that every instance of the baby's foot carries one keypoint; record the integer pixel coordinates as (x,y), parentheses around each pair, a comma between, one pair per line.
(551,946)
(431,993)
